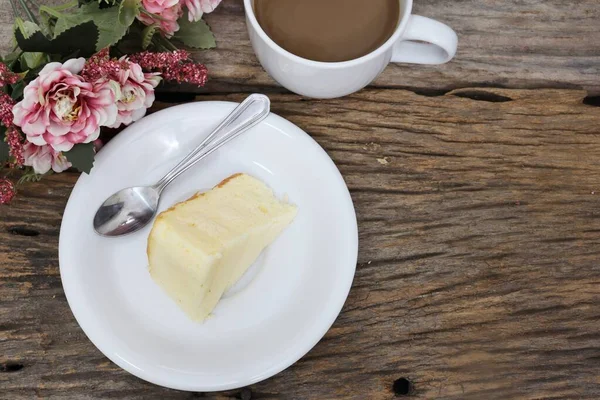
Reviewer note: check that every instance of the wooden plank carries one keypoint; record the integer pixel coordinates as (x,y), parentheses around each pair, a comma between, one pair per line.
(478,269)
(516,44)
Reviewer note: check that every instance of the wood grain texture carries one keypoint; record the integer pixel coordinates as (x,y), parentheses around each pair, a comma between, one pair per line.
(516,44)
(478,273)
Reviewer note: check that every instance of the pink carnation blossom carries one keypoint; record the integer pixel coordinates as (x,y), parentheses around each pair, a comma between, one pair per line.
(136,93)
(198,7)
(42,158)
(61,109)
(167,11)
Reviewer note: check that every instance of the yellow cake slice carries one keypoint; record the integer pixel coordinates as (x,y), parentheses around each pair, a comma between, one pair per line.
(197,249)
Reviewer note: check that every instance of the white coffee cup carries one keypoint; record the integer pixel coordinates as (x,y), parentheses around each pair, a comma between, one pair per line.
(417,40)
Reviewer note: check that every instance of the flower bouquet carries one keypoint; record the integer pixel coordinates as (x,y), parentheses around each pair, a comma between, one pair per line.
(72,72)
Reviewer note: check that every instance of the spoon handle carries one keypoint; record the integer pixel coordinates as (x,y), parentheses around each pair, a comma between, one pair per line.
(249,113)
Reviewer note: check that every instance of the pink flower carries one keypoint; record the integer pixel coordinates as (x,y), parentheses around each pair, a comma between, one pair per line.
(136,94)
(158,6)
(6,106)
(7,77)
(7,191)
(42,158)
(173,66)
(198,7)
(15,146)
(167,11)
(60,109)
(100,66)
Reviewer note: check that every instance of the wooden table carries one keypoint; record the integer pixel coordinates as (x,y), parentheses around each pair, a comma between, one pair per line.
(477,189)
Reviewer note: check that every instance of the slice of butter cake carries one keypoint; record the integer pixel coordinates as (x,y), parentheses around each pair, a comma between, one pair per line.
(197,249)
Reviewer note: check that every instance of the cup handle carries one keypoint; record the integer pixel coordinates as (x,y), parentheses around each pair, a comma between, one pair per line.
(425,41)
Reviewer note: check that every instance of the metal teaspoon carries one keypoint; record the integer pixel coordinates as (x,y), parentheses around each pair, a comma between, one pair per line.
(132,208)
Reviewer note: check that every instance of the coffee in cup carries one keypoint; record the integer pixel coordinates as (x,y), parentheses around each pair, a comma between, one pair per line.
(328,30)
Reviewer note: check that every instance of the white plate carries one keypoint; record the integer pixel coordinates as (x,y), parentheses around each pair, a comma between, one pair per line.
(279,310)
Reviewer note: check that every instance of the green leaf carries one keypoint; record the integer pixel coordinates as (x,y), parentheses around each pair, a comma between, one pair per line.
(35,42)
(110,33)
(11,58)
(29,175)
(46,21)
(128,10)
(67,21)
(147,35)
(82,156)
(27,28)
(17,90)
(195,34)
(31,60)
(105,19)
(80,39)
(48,16)
(107,3)
(4,150)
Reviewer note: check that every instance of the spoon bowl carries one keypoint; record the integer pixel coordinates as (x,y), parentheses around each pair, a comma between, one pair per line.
(126,211)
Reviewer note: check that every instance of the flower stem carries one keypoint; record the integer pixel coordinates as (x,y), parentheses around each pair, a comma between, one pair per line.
(158,44)
(28,11)
(118,51)
(20,24)
(50,11)
(167,43)
(14,7)
(158,17)
(35,3)
(65,6)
